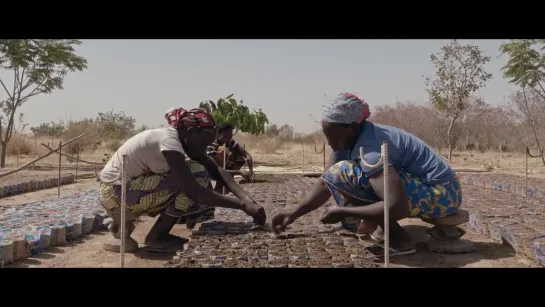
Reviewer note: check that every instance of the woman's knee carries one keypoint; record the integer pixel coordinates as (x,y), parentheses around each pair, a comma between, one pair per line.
(115,214)
(346,172)
(343,166)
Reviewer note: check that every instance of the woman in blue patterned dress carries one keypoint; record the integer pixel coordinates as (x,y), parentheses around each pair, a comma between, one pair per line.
(421,183)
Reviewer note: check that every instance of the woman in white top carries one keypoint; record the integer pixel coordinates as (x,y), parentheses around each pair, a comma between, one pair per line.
(168,175)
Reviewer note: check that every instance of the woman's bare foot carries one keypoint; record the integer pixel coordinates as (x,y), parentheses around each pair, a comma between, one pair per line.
(167,244)
(367,227)
(400,241)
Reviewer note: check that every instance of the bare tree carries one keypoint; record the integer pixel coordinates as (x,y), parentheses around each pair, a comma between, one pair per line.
(459,74)
(39,67)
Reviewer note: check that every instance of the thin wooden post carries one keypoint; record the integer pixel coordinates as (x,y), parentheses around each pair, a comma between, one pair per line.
(501,155)
(77,164)
(526,172)
(224,163)
(123,208)
(303,165)
(321,152)
(59,178)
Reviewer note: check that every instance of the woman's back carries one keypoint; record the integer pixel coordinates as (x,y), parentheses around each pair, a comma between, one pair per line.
(406,152)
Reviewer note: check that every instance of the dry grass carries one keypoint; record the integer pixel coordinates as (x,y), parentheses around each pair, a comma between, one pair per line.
(266,150)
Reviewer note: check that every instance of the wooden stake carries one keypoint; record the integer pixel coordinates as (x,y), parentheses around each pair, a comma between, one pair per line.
(39,158)
(59,179)
(501,156)
(224,163)
(77,164)
(526,173)
(123,208)
(303,165)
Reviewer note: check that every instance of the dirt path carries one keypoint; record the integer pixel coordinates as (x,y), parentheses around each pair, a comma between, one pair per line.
(88,252)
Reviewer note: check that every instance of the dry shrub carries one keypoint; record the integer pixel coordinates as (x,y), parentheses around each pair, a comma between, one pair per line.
(113,145)
(21,144)
(269,145)
(260,144)
(87,143)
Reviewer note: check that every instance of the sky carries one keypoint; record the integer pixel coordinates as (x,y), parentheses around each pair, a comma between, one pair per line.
(285,78)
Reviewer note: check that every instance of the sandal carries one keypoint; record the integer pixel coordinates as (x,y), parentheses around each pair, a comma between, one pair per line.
(171,246)
(377,250)
(378,235)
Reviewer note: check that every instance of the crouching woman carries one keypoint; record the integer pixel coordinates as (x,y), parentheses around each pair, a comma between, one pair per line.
(168,174)
(421,184)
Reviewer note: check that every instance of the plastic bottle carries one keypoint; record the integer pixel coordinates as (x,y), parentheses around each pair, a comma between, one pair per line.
(74,225)
(21,250)
(32,240)
(88,223)
(44,233)
(6,251)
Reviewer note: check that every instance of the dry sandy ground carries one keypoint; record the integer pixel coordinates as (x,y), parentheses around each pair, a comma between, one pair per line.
(88,252)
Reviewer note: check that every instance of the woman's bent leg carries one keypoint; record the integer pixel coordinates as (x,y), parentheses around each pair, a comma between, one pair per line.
(350,187)
(180,209)
(432,201)
(154,194)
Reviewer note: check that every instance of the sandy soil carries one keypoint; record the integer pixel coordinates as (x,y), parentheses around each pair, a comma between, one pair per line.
(88,252)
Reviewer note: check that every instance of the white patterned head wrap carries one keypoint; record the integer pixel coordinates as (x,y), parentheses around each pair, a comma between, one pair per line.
(346,108)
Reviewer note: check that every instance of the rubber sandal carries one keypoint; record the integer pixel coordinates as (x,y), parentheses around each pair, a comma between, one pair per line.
(393,251)
(163,250)
(378,236)
(171,249)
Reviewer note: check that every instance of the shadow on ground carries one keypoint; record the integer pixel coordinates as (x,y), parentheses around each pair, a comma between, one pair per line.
(428,259)
(34,260)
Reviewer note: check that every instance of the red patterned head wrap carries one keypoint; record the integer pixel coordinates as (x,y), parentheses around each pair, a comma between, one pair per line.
(181,117)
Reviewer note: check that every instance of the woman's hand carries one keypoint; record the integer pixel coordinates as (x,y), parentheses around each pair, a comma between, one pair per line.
(254,210)
(280,221)
(333,215)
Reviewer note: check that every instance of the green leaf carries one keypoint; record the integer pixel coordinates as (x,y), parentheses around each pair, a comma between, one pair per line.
(229,110)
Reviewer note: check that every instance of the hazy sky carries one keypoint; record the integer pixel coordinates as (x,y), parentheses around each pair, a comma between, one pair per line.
(286,78)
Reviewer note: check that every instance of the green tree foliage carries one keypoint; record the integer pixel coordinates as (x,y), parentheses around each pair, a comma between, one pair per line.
(526,68)
(459,74)
(51,130)
(39,67)
(236,113)
(526,65)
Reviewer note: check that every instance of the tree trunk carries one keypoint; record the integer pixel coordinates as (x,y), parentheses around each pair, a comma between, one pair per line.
(3,155)
(532,124)
(449,138)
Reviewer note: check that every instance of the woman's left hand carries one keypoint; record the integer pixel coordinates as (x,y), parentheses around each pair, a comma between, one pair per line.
(248,198)
(333,215)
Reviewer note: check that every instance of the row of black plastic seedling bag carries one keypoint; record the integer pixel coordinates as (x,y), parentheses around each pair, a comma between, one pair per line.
(504,187)
(34,185)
